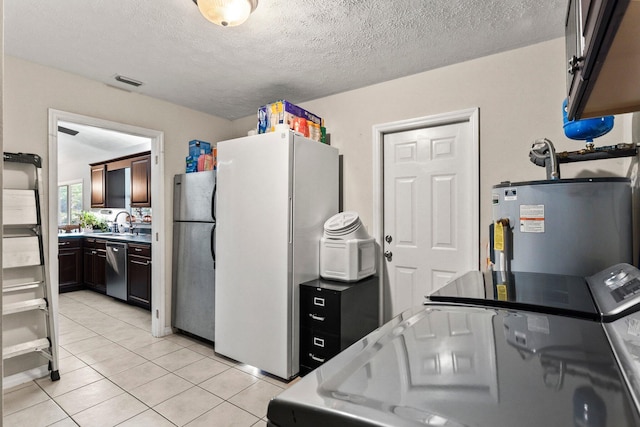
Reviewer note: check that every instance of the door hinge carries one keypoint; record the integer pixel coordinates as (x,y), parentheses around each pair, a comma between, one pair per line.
(156,156)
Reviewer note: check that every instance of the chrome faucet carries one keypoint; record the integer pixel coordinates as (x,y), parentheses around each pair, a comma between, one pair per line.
(115,221)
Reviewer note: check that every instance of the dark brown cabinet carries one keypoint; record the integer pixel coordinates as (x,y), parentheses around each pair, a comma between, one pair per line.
(141,182)
(603,57)
(108,181)
(334,315)
(70,264)
(139,275)
(98,186)
(95,263)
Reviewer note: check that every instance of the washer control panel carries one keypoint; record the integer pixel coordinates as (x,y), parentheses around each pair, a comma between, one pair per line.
(616,290)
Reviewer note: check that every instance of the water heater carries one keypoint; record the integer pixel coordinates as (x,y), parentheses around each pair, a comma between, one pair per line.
(567,226)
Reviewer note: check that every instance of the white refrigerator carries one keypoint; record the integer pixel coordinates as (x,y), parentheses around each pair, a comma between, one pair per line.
(275,191)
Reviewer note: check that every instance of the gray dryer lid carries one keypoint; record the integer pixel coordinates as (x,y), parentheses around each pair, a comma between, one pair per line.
(460,366)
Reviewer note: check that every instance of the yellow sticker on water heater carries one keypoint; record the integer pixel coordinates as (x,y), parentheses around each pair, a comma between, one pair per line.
(498,236)
(501,290)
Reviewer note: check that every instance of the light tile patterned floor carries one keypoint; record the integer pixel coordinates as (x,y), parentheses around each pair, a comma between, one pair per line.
(113,372)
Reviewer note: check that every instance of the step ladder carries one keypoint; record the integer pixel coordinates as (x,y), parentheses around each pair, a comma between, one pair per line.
(22,253)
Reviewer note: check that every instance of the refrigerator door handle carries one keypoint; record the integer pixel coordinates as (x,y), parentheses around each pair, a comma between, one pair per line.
(290,220)
(213,203)
(213,251)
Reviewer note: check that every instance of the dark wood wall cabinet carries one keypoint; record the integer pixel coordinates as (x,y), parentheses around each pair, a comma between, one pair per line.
(603,57)
(139,275)
(98,186)
(141,182)
(95,264)
(334,315)
(70,264)
(140,169)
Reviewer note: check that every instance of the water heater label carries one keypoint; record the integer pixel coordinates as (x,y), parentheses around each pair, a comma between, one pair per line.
(532,218)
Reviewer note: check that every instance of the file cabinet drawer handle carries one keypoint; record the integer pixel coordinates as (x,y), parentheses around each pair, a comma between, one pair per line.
(317,359)
(318,301)
(318,342)
(318,318)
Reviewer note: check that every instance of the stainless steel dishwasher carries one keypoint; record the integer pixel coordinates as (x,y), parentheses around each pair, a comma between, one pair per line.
(117,270)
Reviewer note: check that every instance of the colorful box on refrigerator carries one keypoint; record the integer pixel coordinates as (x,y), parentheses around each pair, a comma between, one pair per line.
(197,147)
(283,112)
(191,164)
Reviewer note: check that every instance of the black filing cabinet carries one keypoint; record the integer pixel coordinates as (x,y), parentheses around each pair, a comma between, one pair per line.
(334,315)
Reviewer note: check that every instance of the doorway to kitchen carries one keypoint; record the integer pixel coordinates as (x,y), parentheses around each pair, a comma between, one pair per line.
(58,121)
(426,205)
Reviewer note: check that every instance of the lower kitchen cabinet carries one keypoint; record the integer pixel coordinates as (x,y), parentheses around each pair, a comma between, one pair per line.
(95,264)
(334,315)
(70,264)
(139,275)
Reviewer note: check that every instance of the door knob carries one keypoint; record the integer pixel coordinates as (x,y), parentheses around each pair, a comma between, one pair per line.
(388,255)
(388,238)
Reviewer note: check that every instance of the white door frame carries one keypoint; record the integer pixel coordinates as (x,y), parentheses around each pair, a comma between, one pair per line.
(470,115)
(158,289)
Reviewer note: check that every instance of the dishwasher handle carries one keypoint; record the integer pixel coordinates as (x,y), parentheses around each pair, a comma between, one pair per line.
(117,247)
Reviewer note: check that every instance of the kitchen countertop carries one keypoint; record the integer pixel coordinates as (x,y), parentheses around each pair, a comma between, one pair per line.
(120,237)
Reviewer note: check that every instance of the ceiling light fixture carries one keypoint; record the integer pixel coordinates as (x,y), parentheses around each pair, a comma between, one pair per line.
(226,13)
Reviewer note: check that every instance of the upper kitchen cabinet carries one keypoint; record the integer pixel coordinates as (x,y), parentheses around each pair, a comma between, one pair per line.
(603,54)
(98,186)
(118,181)
(141,182)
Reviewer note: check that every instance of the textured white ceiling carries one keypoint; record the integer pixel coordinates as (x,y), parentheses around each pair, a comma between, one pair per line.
(297,50)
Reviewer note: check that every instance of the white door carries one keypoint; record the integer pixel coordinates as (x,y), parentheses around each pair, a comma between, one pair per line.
(430,211)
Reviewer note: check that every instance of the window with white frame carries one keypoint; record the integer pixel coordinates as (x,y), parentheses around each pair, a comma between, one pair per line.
(69,202)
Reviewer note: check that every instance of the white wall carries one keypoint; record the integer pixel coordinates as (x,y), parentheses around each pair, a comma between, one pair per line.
(519,94)
(30,90)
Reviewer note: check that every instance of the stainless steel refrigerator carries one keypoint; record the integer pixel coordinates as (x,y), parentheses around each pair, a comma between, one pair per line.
(275,191)
(194,226)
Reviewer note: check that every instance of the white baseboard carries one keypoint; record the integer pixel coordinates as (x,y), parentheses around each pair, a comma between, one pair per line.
(25,377)
(167,331)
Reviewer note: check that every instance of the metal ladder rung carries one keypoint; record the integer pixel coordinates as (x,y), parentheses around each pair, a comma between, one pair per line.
(23,251)
(40,344)
(21,286)
(20,207)
(22,306)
